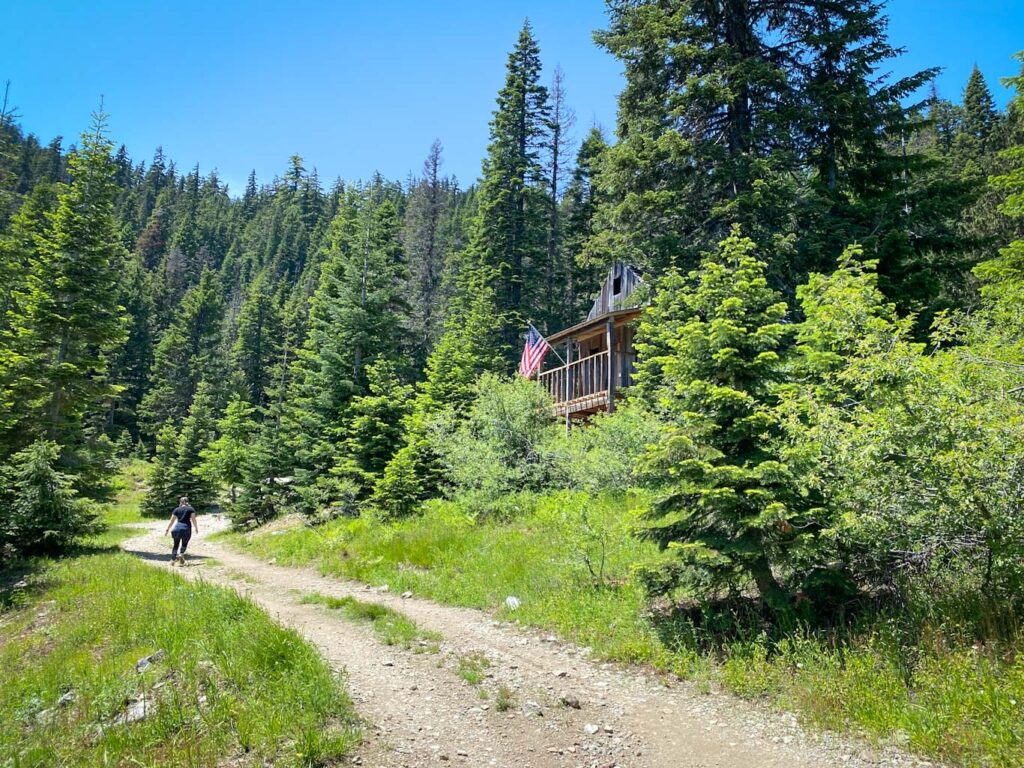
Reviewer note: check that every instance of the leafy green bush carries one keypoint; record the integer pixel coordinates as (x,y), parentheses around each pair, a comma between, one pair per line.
(605,455)
(501,444)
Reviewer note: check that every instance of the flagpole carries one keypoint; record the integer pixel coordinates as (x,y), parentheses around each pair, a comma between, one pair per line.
(550,347)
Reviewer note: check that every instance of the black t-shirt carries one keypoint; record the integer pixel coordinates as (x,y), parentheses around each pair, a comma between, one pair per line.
(184,515)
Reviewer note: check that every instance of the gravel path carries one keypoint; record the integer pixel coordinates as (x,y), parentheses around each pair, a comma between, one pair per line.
(421,713)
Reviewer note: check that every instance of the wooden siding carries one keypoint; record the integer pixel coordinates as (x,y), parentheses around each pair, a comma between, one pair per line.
(621,277)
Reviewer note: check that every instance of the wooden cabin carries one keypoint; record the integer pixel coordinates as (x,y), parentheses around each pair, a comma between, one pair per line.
(598,353)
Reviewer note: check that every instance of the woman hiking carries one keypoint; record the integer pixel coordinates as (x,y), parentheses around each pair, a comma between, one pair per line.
(183,518)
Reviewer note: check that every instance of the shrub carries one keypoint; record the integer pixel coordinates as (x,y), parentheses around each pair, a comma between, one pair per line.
(501,445)
(44,516)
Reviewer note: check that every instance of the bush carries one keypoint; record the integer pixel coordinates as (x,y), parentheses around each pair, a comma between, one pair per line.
(501,445)
(605,455)
(44,516)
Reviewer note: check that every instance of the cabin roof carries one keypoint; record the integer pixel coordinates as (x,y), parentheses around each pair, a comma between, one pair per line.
(592,323)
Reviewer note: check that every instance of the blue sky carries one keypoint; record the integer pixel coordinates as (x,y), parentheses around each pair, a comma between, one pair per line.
(362,87)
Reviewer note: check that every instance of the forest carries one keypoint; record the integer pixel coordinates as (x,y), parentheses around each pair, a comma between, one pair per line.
(825,437)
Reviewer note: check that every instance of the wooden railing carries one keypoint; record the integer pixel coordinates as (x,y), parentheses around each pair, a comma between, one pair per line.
(580,379)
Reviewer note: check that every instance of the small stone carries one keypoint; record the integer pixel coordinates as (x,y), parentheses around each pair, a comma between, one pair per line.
(590,729)
(272,561)
(66,699)
(570,701)
(147,661)
(387,663)
(561,673)
(443,758)
(512,603)
(462,753)
(406,595)
(533,708)
(608,729)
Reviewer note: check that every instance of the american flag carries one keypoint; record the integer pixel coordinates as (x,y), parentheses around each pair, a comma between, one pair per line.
(533,353)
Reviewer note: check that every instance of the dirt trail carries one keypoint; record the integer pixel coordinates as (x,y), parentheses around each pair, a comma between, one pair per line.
(421,713)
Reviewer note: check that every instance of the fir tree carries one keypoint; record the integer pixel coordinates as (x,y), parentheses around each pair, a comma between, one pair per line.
(179,457)
(733,510)
(508,237)
(226,458)
(980,118)
(258,340)
(131,365)
(189,351)
(69,320)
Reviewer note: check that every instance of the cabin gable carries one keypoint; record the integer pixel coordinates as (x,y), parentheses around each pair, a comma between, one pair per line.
(616,291)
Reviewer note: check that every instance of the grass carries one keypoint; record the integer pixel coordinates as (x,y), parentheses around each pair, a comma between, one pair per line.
(390,626)
(960,703)
(225,681)
(472,667)
(225,685)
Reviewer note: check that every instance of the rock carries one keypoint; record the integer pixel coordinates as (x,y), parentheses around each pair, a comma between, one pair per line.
(550,639)
(590,729)
(66,699)
(137,710)
(608,729)
(443,758)
(387,663)
(561,673)
(272,561)
(512,603)
(406,595)
(533,708)
(20,584)
(147,661)
(462,753)
(570,701)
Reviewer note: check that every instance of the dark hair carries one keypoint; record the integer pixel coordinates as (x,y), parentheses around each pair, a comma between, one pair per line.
(183,500)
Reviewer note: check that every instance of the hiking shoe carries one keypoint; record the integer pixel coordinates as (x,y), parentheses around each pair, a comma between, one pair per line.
(181,559)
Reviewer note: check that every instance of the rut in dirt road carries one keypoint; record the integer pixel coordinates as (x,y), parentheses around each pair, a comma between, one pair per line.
(566,709)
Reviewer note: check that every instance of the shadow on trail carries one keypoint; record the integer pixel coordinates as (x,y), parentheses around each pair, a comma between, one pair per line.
(161,557)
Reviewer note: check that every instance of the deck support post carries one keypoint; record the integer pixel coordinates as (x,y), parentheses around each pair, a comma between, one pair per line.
(610,332)
(568,384)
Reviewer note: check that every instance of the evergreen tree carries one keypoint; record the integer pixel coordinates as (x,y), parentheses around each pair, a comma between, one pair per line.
(705,129)
(177,472)
(509,232)
(131,365)
(43,514)
(355,318)
(426,251)
(469,347)
(69,320)
(980,118)
(258,340)
(1004,275)
(732,511)
(226,458)
(374,428)
(580,204)
(189,351)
